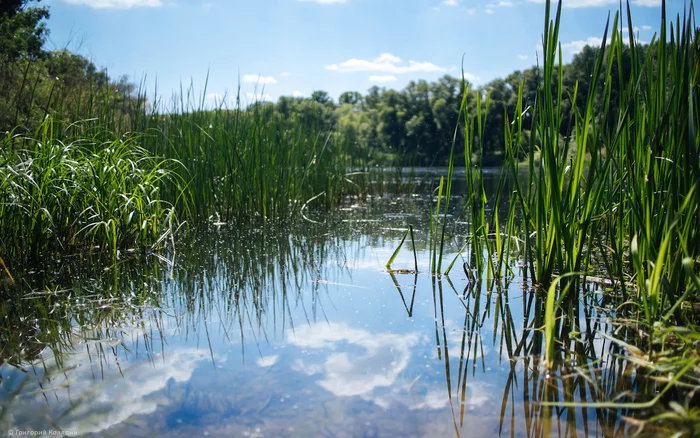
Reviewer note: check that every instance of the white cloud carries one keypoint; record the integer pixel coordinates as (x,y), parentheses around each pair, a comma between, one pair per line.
(117,4)
(385,63)
(297,93)
(576,46)
(477,395)
(324,2)
(489,11)
(215,97)
(387,78)
(523,57)
(259,97)
(647,27)
(598,3)
(218,100)
(131,395)
(267,361)
(581,3)
(285,73)
(449,2)
(501,4)
(261,80)
(122,395)
(470,77)
(388,57)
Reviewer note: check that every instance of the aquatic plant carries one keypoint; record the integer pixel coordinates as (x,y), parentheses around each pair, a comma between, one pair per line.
(611,190)
(108,177)
(246,162)
(83,195)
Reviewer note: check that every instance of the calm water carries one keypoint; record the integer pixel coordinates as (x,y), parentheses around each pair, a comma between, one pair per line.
(303,332)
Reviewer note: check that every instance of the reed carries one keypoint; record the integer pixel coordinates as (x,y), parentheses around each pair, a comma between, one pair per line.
(621,184)
(82,195)
(248,162)
(615,185)
(97,174)
(632,181)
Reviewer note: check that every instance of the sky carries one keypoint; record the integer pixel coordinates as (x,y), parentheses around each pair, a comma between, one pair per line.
(273,48)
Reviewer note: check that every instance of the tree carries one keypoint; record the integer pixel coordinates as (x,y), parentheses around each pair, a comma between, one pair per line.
(351,98)
(500,97)
(322,97)
(22,35)
(22,31)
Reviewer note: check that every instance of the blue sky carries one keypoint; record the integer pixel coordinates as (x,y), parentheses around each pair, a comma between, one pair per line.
(293,47)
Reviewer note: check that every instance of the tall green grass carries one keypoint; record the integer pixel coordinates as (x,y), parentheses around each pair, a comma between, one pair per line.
(617,194)
(249,162)
(98,175)
(82,195)
(630,189)
(612,190)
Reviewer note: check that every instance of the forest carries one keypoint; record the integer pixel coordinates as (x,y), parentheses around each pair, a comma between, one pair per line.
(414,126)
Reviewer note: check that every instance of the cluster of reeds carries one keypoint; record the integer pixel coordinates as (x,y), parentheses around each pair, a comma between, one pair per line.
(619,189)
(83,194)
(628,194)
(97,175)
(612,190)
(245,162)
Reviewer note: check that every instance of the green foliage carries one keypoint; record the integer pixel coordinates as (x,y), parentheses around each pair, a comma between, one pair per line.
(81,195)
(245,163)
(415,125)
(68,87)
(22,31)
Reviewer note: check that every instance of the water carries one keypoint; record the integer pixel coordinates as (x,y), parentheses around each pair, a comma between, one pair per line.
(303,332)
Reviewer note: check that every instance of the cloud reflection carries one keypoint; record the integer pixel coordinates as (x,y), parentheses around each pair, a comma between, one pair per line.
(267,361)
(349,370)
(121,397)
(375,367)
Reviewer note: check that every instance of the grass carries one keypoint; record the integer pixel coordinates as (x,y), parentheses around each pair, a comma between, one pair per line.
(118,178)
(621,186)
(619,190)
(84,195)
(617,195)
(635,197)
(244,163)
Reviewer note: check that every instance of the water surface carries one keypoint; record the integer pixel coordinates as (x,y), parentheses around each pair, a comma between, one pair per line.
(302,331)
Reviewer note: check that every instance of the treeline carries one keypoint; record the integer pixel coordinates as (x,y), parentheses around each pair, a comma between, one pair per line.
(417,125)
(413,126)
(36,83)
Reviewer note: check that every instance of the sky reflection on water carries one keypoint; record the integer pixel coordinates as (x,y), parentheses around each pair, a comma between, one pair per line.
(304,337)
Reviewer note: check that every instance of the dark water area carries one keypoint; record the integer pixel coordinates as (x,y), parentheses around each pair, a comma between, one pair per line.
(302,332)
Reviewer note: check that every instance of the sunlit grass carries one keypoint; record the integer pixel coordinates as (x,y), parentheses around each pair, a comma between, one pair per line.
(619,189)
(83,195)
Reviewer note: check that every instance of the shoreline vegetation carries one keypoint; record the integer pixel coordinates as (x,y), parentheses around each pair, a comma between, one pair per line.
(620,191)
(609,143)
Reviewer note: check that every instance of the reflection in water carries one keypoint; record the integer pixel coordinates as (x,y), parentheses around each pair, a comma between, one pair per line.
(301,333)
(381,358)
(133,394)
